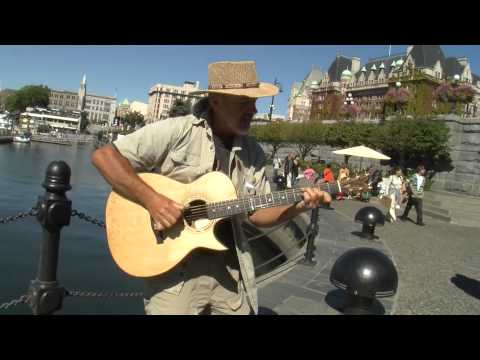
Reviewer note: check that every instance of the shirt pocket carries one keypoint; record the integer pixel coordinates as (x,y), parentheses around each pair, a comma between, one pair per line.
(185,158)
(185,166)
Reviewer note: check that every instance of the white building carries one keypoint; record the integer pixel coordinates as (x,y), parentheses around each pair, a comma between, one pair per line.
(62,122)
(140,107)
(161,98)
(5,123)
(100,109)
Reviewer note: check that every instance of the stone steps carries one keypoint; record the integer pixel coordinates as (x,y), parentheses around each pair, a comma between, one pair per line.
(437,216)
(430,202)
(436,210)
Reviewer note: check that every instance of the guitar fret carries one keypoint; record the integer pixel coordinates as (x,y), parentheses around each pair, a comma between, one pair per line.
(243,205)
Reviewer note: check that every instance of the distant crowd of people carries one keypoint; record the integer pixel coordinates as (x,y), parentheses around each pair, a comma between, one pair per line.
(394,189)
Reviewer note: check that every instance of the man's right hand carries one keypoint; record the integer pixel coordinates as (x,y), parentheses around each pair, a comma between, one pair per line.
(164,211)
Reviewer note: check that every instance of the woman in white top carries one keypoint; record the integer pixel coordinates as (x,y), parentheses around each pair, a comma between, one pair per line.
(395,188)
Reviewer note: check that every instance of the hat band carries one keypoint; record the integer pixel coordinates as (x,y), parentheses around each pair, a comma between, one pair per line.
(234,86)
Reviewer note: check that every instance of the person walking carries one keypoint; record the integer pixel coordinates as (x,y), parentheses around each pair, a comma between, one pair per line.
(415,185)
(394,191)
(288,168)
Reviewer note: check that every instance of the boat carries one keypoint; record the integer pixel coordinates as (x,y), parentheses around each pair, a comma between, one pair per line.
(21,139)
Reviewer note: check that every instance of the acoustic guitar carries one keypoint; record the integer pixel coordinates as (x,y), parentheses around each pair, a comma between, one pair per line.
(141,251)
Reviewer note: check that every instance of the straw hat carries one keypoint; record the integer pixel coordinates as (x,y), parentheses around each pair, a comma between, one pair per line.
(236,78)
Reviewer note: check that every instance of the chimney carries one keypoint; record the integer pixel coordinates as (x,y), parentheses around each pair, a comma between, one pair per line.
(463,61)
(355,65)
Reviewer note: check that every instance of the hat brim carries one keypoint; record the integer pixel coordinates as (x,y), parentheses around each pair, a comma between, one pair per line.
(263,90)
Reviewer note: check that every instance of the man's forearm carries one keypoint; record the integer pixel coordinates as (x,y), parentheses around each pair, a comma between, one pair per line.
(118,172)
(275,216)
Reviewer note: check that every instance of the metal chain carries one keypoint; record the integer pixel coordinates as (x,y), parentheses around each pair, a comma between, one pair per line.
(8,219)
(21,300)
(88,219)
(78,293)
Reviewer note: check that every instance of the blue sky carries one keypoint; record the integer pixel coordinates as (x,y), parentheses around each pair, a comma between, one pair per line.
(131,70)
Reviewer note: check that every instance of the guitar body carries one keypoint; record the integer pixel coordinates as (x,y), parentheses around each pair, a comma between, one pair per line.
(139,250)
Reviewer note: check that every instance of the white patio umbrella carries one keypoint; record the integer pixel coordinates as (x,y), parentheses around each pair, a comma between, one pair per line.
(362,151)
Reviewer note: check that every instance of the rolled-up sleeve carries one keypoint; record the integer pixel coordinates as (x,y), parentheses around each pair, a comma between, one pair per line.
(148,147)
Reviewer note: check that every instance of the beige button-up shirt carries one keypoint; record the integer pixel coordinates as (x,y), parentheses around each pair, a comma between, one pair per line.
(183,149)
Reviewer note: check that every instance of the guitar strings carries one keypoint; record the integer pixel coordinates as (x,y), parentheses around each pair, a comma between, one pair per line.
(203,209)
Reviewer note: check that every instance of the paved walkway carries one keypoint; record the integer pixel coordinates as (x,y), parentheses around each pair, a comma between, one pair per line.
(438,266)
(300,289)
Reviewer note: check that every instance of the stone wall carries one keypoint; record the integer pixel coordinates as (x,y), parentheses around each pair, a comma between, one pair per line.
(465,154)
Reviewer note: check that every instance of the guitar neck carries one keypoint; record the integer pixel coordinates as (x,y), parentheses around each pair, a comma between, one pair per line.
(244,205)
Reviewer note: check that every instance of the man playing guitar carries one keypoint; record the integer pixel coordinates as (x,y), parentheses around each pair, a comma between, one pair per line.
(184,148)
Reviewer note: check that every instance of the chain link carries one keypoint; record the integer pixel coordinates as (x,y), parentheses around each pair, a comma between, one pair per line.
(21,300)
(79,293)
(88,219)
(9,219)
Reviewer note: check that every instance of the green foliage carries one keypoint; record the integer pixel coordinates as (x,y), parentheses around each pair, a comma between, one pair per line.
(274,134)
(134,118)
(4,94)
(407,141)
(28,96)
(412,141)
(181,108)
(423,100)
(305,136)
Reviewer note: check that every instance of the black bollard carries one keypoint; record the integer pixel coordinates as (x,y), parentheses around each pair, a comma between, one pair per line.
(54,211)
(365,274)
(312,232)
(370,217)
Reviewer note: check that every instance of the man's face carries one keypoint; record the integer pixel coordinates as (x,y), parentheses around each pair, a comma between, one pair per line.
(423,172)
(236,112)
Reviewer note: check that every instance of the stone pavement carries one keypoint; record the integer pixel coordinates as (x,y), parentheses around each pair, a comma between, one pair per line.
(463,209)
(300,289)
(438,267)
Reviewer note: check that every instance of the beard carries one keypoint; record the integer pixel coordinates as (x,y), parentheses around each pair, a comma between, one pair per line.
(241,126)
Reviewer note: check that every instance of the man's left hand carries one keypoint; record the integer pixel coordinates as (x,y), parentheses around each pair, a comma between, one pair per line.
(312,198)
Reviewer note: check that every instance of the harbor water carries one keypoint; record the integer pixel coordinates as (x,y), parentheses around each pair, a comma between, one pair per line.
(85,263)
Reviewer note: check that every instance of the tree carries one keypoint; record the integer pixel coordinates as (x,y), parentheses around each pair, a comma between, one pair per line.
(274,134)
(306,136)
(4,94)
(412,141)
(181,108)
(28,96)
(134,119)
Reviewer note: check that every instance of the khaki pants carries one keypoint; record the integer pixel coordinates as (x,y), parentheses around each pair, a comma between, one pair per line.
(200,284)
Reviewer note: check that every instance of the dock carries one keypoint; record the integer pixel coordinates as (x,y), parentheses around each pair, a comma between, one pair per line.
(51,140)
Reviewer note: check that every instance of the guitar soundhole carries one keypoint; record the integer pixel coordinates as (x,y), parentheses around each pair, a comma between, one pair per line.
(195,214)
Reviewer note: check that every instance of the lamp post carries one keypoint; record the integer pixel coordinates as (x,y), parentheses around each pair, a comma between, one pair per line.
(273,98)
(349,100)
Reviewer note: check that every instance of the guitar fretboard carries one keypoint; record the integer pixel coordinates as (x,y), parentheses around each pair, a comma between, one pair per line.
(251,203)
